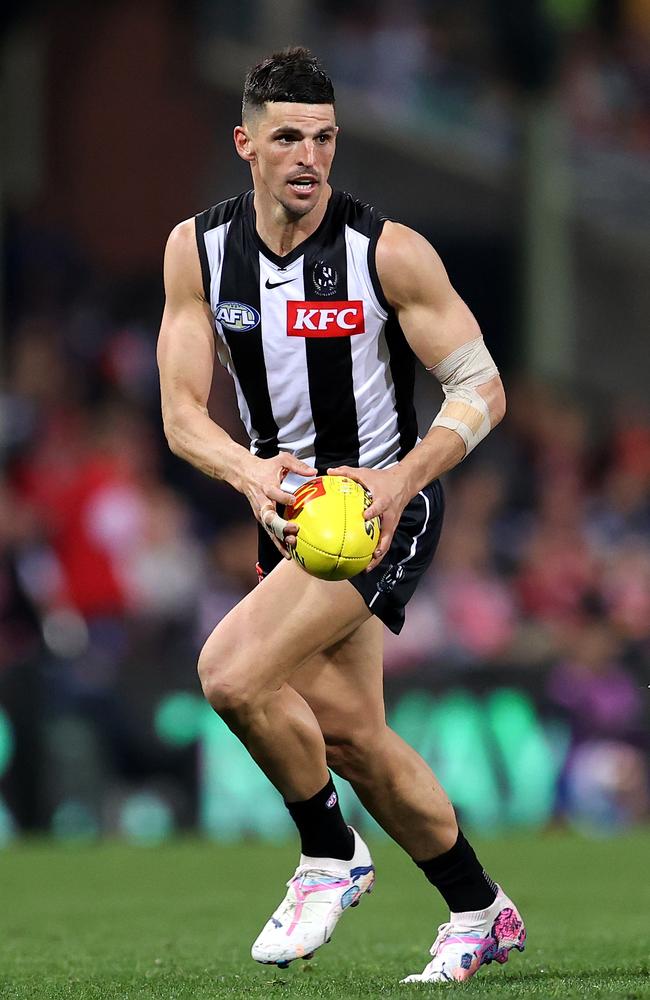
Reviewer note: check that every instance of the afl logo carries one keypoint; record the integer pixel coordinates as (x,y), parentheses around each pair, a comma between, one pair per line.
(237,316)
(325,278)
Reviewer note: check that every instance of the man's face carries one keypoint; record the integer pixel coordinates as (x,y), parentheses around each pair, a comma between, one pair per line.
(290,148)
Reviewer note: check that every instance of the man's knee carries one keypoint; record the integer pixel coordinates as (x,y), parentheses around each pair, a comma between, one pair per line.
(224,676)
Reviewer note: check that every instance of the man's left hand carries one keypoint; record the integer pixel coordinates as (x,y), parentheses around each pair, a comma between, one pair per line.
(389,498)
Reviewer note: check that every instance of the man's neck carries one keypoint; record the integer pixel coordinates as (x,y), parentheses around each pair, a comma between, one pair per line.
(278,230)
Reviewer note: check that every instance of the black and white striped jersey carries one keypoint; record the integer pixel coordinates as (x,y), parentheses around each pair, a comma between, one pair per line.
(320,364)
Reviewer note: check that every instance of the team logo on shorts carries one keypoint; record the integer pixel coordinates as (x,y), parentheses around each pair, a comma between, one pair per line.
(391,578)
(331,802)
(237,316)
(325,278)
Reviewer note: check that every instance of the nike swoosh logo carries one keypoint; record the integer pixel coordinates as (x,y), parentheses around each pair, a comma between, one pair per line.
(276,284)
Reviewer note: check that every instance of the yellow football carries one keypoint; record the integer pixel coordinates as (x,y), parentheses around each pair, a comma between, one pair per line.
(334,541)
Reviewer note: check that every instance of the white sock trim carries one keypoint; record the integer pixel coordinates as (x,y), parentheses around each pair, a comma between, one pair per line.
(473,918)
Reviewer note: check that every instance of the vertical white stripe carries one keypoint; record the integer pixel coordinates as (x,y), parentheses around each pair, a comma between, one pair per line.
(286,357)
(215,241)
(420,533)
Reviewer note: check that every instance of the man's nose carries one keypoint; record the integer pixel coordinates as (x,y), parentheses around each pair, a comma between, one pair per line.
(306,153)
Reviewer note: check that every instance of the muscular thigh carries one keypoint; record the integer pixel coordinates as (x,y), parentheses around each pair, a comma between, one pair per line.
(343,684)
(284,622)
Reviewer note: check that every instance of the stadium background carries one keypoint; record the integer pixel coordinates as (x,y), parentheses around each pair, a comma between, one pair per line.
(516,137)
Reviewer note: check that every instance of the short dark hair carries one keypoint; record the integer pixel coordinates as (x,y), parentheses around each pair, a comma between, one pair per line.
(292,75)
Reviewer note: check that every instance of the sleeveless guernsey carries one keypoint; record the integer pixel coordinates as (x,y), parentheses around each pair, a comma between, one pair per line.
(320,364)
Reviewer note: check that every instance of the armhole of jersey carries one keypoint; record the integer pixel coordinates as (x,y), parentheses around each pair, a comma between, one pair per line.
(199,226)
(372,264)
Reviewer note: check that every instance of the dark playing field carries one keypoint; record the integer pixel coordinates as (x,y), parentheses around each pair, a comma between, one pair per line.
(176,922)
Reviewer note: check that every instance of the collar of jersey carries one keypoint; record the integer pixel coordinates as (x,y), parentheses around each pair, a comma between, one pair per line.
(298,251)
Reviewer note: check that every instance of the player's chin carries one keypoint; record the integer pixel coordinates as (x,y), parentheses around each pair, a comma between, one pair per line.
(299,201)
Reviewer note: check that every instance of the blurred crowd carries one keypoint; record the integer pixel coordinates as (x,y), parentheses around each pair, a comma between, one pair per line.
(464,65)
(117,560)
(545,552)
(112,552)
(456,66)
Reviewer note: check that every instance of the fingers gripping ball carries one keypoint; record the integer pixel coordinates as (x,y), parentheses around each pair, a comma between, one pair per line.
(334,541)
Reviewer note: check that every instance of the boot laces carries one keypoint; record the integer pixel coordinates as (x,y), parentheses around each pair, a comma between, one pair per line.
(446,932)
(303,871)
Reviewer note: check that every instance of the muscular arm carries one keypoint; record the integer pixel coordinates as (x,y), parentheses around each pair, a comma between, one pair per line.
(186,353)
(436,322)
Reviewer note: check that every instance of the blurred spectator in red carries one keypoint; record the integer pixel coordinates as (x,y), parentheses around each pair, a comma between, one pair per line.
(84,478)
(557,567)
(477,607)
(625,590)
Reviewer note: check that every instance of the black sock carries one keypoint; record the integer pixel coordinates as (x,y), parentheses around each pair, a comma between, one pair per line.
(323,831)
(460,878)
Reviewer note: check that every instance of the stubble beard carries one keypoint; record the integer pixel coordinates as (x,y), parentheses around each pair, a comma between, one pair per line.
(294,213)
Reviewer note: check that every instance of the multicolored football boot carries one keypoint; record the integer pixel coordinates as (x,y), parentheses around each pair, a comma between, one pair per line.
(319,892)
(473,939)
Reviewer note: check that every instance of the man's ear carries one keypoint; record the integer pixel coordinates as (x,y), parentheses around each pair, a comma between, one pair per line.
(243,143)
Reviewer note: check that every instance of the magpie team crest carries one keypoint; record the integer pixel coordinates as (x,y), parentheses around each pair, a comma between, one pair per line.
(391,577)
(325,278)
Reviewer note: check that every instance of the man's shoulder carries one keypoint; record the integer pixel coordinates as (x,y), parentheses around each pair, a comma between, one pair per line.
(403,247)
(407,265)
(223,212)
(356,213)
(360,215)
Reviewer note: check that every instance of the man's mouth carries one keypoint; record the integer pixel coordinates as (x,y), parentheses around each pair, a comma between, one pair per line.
(304,184)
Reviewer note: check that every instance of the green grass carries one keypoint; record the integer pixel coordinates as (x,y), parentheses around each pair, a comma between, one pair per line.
(177,921)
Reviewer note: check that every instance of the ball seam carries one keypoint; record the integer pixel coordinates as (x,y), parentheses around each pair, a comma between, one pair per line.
(326,553)
(345,521)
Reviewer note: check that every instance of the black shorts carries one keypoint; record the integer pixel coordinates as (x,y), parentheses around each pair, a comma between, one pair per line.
(388,588)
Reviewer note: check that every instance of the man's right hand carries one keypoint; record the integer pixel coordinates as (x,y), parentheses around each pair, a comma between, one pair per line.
(261,483)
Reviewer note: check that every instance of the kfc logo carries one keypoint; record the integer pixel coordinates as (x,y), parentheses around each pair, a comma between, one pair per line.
(320,319)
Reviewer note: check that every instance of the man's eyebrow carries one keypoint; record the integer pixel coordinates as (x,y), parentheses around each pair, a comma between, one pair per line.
(294,130)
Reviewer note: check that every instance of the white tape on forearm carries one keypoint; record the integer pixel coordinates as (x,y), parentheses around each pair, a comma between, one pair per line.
(466,412)
(464,409)
(274,523)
